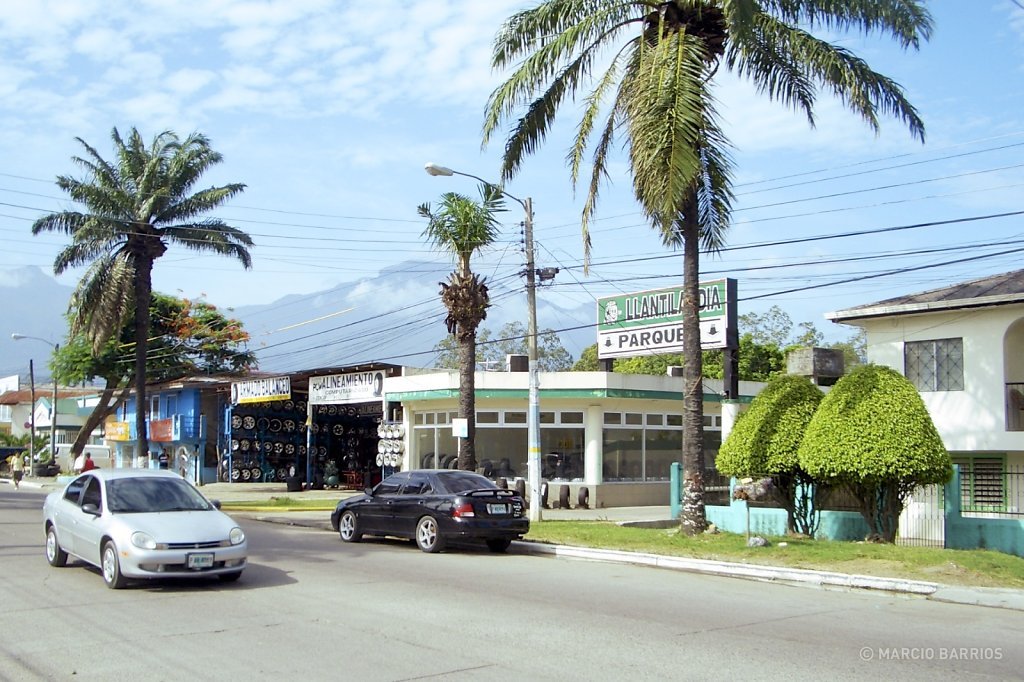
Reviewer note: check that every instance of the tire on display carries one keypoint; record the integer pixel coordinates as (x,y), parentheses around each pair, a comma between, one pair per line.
(498,545)
(111,567)
(230,577)
(348,527)
(55,556)
(428,535)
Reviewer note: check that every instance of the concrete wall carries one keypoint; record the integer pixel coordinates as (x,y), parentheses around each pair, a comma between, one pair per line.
(835,525)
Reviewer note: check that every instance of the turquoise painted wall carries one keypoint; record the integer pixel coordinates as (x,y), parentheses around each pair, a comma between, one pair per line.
(1002,535)
(835,525)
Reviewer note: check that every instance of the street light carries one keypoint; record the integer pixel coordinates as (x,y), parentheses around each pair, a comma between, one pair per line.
(533,411)
(53,408)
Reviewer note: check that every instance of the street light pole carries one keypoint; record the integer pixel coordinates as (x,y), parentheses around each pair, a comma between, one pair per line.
(533,410)
(53,407)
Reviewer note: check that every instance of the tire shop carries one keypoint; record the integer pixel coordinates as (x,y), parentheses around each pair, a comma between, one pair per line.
(319,427)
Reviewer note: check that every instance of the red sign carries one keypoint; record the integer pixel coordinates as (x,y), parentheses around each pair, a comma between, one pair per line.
(161,430)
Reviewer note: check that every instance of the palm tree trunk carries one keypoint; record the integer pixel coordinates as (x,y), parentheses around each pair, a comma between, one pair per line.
(143,293)
(693,519)
(467,399)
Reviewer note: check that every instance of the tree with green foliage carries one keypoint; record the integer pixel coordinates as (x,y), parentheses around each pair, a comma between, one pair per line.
(135,208)
(463,227)
(511,340)
(765,441)
(757,362)
(872,433)
(660,61)
(188,338)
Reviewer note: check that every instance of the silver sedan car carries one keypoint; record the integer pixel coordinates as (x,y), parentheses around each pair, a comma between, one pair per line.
(140,523)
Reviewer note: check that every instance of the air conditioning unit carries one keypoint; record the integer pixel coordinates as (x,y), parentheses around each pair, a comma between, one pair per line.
(517,363)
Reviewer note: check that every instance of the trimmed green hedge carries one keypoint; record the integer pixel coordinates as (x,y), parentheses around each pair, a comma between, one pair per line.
(874,427)
(767,436)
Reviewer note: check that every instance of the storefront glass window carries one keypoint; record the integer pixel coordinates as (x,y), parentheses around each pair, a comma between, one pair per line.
(661,447)
(623,455)
(647,453)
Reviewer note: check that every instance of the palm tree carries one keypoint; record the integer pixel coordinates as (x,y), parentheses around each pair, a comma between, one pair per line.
(462,227)
(656,90)
(135,208)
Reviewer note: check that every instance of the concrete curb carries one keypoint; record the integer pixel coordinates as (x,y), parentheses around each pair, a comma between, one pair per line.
(733,570)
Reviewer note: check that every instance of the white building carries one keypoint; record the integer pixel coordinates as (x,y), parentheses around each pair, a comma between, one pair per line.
(615,434)
(963,347)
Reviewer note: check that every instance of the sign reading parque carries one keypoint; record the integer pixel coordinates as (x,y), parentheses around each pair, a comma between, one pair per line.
(651,322)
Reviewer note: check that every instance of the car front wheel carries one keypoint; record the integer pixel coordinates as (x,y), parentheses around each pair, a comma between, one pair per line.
(428,536)
(112,567)
(348,527)
(56,556)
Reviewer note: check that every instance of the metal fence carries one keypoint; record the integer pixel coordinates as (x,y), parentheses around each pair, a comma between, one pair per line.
(991,489)
(923,520)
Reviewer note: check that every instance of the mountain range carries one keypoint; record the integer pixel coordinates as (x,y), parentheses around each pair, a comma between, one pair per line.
(395,316)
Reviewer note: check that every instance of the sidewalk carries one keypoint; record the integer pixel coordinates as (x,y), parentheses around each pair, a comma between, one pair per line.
(652,516)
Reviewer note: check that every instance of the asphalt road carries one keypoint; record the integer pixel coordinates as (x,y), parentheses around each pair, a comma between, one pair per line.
(310,607)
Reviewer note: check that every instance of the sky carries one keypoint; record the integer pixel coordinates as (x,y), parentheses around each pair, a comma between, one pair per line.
(327,112)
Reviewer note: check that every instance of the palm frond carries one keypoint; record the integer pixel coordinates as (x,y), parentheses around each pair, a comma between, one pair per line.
(665,112)
(908,21)
(847,76)
(103,299)
(213,236)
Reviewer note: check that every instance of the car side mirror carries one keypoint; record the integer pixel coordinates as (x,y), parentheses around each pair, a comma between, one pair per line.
(215,503)
(368,490)
(91,509)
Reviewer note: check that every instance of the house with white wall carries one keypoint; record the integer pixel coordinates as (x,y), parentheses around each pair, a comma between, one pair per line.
(962,346)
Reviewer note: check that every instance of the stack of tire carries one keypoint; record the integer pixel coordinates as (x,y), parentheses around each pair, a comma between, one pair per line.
(391,446)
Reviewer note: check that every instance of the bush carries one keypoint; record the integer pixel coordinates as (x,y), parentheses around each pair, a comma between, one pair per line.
(873,434)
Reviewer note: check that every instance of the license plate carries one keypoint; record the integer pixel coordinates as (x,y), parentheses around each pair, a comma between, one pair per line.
(497,509)
(200,560)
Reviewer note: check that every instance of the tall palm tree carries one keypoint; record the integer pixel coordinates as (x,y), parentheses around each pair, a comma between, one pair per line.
(659,61)
(135,208)
(462,227)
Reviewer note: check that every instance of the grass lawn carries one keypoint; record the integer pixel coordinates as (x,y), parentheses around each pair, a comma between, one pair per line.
(979,568)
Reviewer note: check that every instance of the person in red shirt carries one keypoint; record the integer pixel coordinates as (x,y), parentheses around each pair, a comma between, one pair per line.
(89,464)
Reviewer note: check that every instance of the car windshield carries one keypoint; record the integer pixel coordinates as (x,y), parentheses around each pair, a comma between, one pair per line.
(463,481)
(151,494)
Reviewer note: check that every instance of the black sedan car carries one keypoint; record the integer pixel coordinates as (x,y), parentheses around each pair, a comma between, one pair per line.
(432,507)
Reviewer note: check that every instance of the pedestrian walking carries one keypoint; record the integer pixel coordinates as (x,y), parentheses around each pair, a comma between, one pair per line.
(17,469)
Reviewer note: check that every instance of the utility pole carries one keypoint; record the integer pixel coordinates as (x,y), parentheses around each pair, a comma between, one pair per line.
(53,409)
(533,413)
(32,416)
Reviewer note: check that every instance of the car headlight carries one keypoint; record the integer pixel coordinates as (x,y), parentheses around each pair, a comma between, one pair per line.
(143,540)
(237,536)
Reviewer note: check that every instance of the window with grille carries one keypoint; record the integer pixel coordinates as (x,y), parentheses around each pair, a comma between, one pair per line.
(982,484)
(935,365)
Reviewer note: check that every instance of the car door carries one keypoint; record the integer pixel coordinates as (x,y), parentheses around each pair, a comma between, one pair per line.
(375,513)
(408,506)
(65,513)
(91,526)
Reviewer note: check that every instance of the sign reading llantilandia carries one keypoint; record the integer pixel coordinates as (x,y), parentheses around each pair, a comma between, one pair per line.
(651,322)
